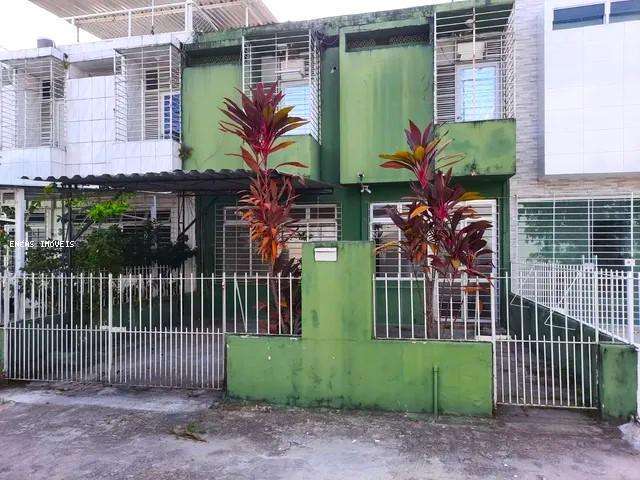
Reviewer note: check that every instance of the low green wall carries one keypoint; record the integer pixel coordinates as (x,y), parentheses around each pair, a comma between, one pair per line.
(618,381)
(337,362)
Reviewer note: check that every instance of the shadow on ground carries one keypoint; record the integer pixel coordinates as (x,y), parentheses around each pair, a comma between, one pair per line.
(91,432)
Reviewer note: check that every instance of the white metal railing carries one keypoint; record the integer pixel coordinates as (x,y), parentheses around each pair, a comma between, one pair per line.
(169,17)
(137,329)
(603,299)
(410,307)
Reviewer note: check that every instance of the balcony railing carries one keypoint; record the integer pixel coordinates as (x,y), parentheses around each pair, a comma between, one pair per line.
(186,16)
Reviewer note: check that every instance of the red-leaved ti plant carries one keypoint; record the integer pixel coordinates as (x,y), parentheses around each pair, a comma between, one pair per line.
(260,121)
(441,234)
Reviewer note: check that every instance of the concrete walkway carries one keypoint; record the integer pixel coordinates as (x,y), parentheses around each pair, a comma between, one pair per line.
(74,432)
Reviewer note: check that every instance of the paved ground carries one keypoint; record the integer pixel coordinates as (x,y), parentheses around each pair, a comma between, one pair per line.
(71,432)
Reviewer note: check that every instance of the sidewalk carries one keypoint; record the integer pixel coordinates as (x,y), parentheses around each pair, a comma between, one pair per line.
(71,432)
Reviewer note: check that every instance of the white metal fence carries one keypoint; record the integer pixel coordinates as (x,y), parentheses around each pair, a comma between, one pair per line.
(545,324)
(410,307)
(136,329)
(603,299)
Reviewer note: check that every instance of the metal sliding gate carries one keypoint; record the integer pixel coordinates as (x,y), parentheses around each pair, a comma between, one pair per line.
(134,330)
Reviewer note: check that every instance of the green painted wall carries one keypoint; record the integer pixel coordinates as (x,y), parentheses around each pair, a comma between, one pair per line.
(489,147)
(380,90)
(618,381)
(203,91)
(337,363)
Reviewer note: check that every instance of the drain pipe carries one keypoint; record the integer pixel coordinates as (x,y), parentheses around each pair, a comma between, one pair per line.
(436,370)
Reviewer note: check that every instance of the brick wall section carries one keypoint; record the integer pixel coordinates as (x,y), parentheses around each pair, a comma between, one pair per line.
(529,180)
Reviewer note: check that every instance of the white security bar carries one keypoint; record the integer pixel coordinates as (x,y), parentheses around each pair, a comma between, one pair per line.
(411,307)
(138,330)
(292,62)
(32,102)
(474,64)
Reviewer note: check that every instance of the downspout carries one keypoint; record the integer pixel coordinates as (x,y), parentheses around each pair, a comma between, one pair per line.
(436,371)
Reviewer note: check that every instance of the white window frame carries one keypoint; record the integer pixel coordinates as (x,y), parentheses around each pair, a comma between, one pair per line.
(460,93)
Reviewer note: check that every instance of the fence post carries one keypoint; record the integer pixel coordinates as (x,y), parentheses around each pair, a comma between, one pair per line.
(224,303)
(596,321)
(110,317)
(630,305)
(5,324)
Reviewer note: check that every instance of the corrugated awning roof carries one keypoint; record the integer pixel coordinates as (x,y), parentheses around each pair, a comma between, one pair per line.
(208,182)
(110,18)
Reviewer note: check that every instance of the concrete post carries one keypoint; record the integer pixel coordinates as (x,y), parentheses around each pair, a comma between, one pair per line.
(20,208)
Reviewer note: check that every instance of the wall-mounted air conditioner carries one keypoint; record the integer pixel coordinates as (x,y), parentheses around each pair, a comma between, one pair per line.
(466,51)
(291,69)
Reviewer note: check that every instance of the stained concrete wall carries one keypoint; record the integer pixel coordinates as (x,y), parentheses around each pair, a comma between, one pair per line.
(203,91)
(618,381)
(337,362)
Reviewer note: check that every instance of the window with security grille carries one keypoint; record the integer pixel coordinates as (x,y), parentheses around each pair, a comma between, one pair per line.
(237,253)
(604,231)
(393,263)
(291,61)
(132,222)
(147,93)
(474,73)
(32,94)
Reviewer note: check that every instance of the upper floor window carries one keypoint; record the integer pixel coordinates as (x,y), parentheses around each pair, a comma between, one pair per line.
(477,92)
(147,93)
(624,10)
(474,64)
(291,61)
(171,116)
(581,16)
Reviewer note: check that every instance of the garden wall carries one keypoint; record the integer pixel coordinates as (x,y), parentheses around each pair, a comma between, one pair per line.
(337,362)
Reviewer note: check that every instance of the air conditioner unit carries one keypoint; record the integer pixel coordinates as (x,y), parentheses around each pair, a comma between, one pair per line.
(291,69)
(466,51)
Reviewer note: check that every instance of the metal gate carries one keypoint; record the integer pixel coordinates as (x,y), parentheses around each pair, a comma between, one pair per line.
(555,316)
(134,330)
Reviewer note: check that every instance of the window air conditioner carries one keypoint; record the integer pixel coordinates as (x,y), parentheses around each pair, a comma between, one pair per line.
(291,69)
(466,51)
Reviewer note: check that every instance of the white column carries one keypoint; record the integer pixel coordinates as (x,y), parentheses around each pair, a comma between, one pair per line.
(188,16)
(21,208)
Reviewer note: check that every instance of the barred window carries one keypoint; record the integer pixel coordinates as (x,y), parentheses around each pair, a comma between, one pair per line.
(238,254)
(393,262)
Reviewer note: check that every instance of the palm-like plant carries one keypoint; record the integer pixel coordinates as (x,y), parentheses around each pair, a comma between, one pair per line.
(260,121)
(441,234)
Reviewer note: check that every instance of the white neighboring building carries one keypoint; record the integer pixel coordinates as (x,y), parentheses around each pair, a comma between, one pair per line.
(106,107)
(577,178)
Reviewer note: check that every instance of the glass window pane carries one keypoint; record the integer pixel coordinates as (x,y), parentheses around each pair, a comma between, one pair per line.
(578,16)
(477,90)
(624,11)
(297,95)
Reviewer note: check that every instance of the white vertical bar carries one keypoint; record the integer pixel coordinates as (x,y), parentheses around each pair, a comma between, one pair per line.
(110,317)
(630,303)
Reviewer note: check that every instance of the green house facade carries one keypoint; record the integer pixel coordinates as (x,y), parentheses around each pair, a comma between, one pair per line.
(358,80)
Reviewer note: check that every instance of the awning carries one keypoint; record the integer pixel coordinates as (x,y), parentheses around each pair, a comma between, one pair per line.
(113,18)
(208,182)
